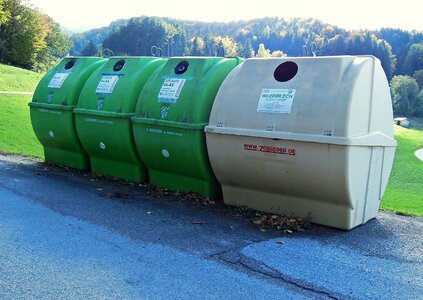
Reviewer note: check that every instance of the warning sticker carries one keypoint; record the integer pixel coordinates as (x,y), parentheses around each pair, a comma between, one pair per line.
(276,101)
(57,80)
(106,84)
(171,89)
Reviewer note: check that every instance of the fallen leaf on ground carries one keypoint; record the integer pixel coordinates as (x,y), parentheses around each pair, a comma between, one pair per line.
(286,224)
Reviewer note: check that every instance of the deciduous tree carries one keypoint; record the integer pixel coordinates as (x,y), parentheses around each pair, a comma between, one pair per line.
(29,38)
(414,59)
(90,50)
(405,95)
(4,15)
(262,51)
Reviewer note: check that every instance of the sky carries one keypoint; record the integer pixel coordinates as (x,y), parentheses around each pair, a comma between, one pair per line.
(352,14)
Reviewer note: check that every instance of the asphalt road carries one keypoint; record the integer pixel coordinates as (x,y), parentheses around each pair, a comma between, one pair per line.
(66,234)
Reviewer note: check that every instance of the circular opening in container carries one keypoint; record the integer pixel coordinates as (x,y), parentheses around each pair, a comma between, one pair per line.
(119,65)
(285,71)
(70,64)
(182,67)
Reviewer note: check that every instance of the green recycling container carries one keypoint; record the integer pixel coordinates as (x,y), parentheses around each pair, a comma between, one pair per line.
(106,104)
(172,112)
(52,107)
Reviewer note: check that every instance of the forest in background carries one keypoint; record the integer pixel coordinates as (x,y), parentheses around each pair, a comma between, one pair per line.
(400,51)
(32,40)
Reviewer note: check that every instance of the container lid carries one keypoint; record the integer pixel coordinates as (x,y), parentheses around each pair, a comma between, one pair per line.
(181,93)
(61,85)
(337,100)
(115,87)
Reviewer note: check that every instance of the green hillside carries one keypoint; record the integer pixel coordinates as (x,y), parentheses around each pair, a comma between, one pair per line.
(16,79)
(16,135)
(405,189)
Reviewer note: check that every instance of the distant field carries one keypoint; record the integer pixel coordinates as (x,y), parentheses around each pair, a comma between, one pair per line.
(16,79)
(16,135)
(405,189)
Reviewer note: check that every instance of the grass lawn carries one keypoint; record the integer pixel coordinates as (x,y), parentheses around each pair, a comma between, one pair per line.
(405,189)
(16,79)
(16,134)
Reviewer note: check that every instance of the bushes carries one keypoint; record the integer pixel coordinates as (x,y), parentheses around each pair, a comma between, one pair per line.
(406,98)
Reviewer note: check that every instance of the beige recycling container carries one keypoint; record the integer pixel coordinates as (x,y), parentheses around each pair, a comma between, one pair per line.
(304,136)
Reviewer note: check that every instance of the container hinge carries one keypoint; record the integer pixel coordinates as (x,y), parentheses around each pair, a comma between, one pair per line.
(310,50)
(218,50)
(156,51)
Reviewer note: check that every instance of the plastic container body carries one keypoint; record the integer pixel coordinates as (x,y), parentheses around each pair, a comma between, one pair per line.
(304,136)
(172,111)
(52,107)
(106,105)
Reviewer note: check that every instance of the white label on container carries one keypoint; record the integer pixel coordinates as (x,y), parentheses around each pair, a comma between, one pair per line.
(171,89)
(276,101)
(106,84)
(57,80)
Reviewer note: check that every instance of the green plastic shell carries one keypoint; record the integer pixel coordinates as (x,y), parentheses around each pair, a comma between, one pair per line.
(106,104)
(52,107)
(172,111)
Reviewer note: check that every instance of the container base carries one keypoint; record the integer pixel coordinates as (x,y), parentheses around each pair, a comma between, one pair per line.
(66,158)
(323,213)
(183,183)
(119,169)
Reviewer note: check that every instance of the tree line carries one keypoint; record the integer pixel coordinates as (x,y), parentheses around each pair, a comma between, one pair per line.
(29,38)
(32,40)
(400,51)
(397,49)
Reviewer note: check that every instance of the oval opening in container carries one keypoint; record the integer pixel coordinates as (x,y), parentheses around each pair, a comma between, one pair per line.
(70,64)
(182,67)
(285,71)
(119,65)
